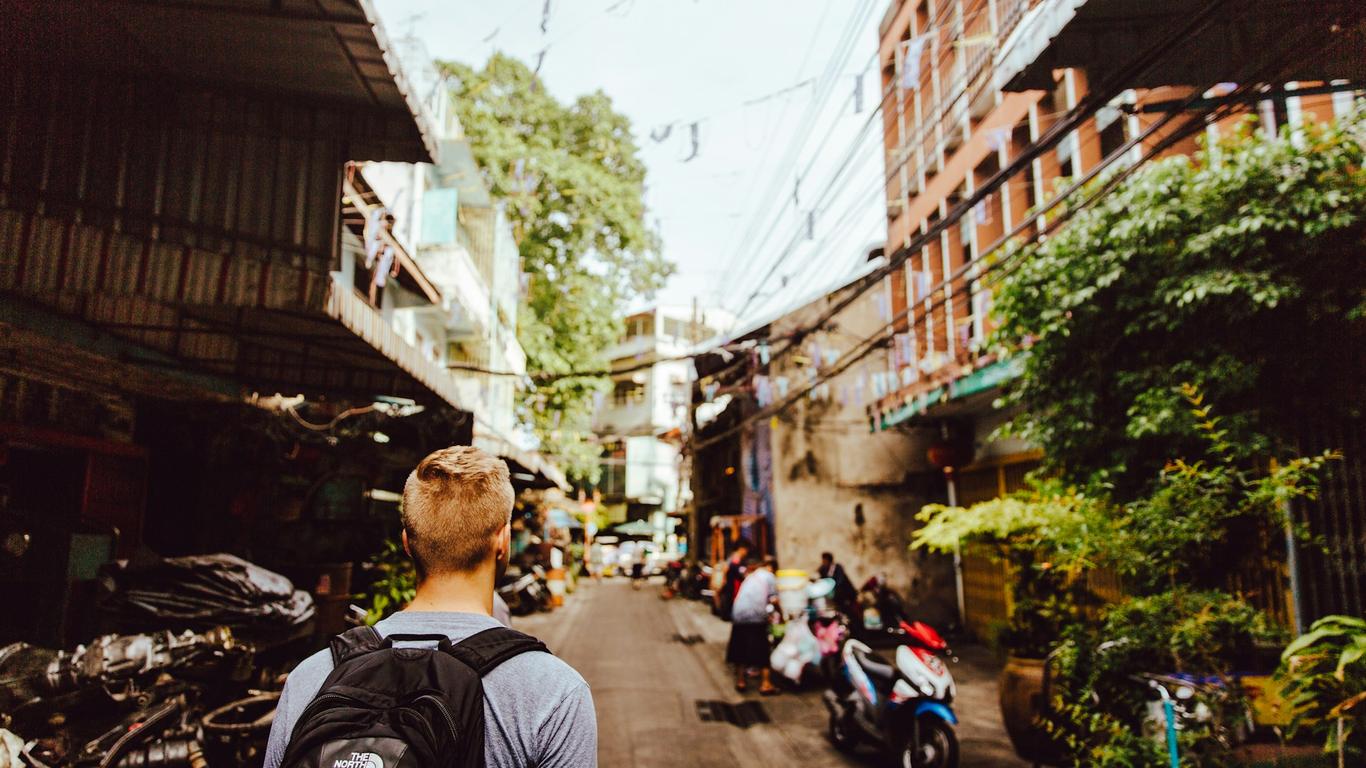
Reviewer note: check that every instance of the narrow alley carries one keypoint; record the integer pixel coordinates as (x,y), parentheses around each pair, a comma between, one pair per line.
(655,667)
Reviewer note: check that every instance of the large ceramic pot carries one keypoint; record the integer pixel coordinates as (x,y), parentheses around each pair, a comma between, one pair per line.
(1022,704)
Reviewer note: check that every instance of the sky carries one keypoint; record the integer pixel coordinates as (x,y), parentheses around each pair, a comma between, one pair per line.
(771,86)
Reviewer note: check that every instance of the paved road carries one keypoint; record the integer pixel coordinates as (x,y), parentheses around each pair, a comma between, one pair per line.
(647,686)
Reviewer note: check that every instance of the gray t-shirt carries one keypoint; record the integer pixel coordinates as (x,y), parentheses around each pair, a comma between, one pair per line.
(538,711)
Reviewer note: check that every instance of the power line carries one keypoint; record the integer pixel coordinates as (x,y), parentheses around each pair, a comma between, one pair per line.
(1055,133)
(842,49)
(934,27)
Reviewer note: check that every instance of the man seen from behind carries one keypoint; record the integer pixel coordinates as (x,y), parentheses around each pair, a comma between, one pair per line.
(537,711)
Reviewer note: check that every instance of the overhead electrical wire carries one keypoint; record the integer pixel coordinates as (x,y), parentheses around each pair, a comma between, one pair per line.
(933,27)
(1052,136)
(844,46)
(1138,65)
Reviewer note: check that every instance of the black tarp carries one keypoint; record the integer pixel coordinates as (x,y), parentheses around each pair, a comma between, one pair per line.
(207,590)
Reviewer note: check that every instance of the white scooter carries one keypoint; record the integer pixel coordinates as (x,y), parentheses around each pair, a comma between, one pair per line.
(906,708)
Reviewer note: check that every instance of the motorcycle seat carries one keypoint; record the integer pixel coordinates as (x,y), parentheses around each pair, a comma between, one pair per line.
(879,670)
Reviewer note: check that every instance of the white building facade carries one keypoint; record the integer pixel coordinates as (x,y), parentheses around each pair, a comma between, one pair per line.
(642,420)
(460,238)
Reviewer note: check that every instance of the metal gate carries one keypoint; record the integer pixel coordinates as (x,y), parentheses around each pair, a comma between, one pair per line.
(1332,567)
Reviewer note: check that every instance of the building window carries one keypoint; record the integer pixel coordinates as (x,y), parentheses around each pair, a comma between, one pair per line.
(1112,136)
(640,325)
(627,392)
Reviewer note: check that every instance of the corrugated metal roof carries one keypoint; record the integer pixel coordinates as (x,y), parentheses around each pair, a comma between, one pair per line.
(347,307)
(319,51)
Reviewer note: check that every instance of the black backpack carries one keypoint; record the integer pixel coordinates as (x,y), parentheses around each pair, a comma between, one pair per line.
(387,707)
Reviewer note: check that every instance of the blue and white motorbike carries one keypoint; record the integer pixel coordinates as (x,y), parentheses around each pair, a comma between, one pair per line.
(904,708)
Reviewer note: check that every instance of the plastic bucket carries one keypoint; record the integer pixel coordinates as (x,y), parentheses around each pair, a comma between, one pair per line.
(792,586)
(555,582)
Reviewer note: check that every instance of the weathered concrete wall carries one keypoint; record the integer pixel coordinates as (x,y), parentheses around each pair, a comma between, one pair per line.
(841,488)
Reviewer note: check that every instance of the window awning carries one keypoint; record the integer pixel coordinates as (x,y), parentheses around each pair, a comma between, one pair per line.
(1101,36)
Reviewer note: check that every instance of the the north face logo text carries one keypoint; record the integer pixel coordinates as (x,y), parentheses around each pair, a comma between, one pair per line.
(359,760)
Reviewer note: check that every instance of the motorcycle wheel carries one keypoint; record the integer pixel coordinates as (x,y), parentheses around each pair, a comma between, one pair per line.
(842,733)
(938,747)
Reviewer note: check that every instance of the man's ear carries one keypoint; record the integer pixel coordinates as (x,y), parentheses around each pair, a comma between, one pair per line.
(505,541)
(407,550)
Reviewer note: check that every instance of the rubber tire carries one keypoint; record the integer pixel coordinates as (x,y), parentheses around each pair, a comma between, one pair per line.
(929,725)
(842,734)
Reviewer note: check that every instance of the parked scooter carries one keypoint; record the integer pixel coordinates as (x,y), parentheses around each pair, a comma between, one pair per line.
(691,582)
(526,593)
(881,612)
(905,708)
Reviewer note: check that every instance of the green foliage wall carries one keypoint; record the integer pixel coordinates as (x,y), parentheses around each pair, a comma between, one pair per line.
(1238,270)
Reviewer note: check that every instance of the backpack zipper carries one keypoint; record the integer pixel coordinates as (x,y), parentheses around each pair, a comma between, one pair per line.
(436,702)
(315,704)
(441,707)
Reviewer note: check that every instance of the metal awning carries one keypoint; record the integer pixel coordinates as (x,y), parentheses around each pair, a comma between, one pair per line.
(195,312)
(322,52)
(1100,36)
(534,465)
(358,200)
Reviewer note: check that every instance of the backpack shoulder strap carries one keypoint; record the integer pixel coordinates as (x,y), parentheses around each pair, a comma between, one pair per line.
(354,642)
(485,650)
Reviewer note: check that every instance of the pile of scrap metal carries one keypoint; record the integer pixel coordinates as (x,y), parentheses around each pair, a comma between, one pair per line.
(192,695)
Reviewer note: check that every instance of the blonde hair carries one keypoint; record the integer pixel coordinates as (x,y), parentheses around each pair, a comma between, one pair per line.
(454,503)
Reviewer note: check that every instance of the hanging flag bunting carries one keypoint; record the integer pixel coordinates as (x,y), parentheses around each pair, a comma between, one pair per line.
(910,62)
(763,393)
(859,386)
(815,352)
(858,94)
(694,131)
(903,341)
(781,383)
(843,394)
(832,356)
(883,312)
(709,390)
(981,213)
(763,353)
(998,137)
(922,281)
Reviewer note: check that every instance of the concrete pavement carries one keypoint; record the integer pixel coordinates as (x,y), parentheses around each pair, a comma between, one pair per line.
(661,689)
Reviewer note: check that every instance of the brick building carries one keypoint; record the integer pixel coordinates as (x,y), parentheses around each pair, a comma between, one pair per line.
(972,87)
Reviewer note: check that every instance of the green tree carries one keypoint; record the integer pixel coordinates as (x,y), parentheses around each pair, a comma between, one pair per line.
(574,185)
(1238,270)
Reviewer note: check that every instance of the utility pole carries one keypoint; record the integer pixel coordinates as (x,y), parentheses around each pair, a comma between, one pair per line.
(687,458)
